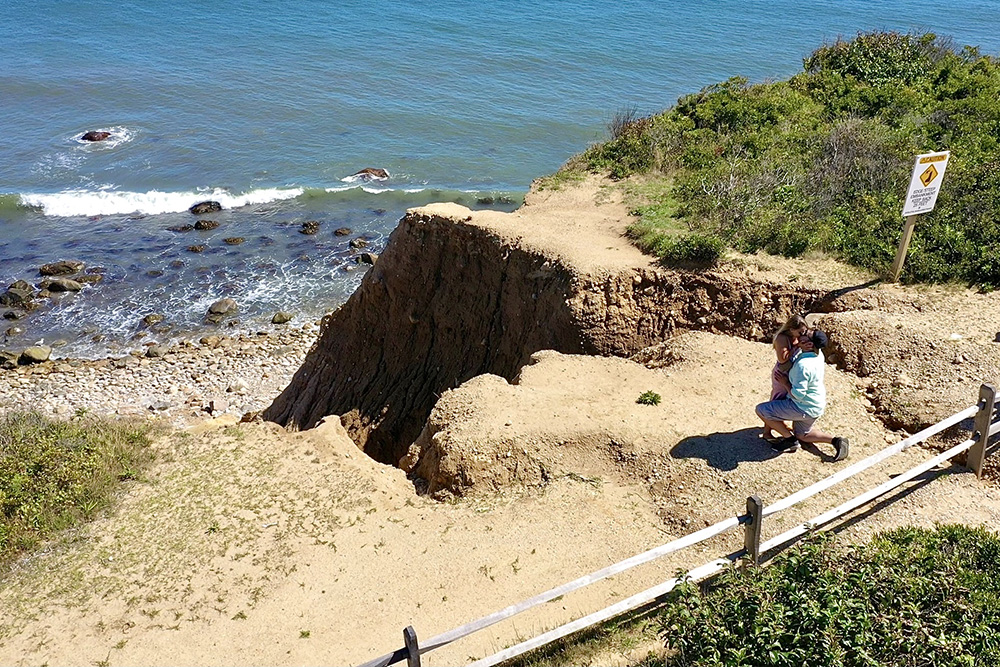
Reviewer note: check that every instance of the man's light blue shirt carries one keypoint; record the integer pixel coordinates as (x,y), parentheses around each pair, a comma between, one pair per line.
(806,378)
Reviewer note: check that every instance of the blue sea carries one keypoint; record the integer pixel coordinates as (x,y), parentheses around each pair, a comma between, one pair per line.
(269,108)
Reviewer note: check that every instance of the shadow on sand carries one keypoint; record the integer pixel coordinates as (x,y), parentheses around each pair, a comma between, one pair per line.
(725,451)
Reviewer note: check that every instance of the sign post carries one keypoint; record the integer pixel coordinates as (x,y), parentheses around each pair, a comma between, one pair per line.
(925,183)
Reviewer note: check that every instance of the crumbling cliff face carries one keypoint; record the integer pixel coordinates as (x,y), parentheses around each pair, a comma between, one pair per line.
(450,299)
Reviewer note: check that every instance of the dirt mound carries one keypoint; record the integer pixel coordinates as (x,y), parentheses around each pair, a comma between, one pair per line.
(578,415)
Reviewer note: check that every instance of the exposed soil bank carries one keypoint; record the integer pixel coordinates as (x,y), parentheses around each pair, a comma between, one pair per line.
(458,294)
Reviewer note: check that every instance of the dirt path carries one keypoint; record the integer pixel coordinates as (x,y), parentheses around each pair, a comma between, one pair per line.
(247,545)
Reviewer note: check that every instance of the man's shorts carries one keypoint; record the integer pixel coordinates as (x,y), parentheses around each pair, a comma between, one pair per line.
(784,410)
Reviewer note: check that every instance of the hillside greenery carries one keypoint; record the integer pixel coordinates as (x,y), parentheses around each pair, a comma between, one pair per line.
(54,473)
(822,160)
(910,597)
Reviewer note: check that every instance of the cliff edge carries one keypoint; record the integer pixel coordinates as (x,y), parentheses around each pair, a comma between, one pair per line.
(457,294)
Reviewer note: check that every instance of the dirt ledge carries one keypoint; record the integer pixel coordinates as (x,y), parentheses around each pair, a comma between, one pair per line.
(458,294)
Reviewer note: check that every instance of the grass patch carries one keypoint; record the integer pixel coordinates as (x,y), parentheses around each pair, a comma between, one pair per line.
(821,161)
(54,474)
(569,174)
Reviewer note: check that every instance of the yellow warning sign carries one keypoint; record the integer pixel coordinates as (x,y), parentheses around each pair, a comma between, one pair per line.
(925,181)
(928,176)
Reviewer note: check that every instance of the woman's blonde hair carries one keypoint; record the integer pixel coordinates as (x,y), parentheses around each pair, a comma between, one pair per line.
(793,322)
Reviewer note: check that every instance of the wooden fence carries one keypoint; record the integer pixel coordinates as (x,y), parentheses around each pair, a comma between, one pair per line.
(977,446)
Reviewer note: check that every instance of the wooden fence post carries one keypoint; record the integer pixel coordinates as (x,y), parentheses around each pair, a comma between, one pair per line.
(984,418)
(751,535)
(412,649)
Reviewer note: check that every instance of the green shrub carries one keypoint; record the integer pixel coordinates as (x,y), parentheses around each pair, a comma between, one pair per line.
(822,160)
(648,398)
(55,473)
(692,249)
(910,597)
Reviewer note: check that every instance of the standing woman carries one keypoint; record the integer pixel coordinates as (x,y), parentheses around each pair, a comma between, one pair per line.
(784,343)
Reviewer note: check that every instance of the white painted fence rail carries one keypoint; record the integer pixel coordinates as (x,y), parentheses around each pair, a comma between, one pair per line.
(983,430)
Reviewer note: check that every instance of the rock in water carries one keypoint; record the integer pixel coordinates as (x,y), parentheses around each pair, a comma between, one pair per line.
(35,354)
(223,307)
(15,298)
(309,227)
(205,225)
(95,135)
(206,207)
(64,285)
(367,258)
(281,317)
(64,267)
(342,231)
(220,309)
(372,174)
(358,243)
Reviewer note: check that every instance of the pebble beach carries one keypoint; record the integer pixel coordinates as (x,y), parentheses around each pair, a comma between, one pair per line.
(192,380)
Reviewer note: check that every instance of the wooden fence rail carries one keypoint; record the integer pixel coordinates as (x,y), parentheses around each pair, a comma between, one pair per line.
(977,446)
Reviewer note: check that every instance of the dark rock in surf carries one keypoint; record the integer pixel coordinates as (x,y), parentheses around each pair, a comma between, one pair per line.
(342,231)
(205,225)
(35,354)
(233,240)
(220,309)
(196,248)
(95,135)
(372,173)
(64,267)
(367,258)
(89,278)
(180,228)
(63,285)
(358,243)
(309,227)
(281,317)
(206,207)
(16,297)
(151,319)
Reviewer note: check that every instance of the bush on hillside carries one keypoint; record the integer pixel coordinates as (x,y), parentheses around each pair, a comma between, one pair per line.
(822,159)
(910,597)
(55,473)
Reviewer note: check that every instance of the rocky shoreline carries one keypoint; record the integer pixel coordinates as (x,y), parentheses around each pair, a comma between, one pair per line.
(187,382)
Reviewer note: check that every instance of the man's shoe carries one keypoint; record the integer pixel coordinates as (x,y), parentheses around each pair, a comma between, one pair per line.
(843,447)
(786,445)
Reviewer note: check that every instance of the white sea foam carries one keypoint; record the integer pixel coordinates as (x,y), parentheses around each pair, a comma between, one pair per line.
(114,202)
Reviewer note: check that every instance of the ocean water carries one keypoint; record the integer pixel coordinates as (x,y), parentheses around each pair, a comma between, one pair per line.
(269,108)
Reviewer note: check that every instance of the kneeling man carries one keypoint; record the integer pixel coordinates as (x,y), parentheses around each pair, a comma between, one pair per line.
(805,403)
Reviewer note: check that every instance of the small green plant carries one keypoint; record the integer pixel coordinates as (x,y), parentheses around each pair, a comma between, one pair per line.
(648,398)
(304,634)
